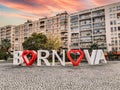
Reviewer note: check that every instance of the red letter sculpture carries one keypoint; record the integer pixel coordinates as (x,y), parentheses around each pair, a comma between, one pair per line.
(32,59)
(75,63)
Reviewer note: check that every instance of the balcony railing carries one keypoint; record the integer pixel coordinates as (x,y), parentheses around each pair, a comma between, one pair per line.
(87,40)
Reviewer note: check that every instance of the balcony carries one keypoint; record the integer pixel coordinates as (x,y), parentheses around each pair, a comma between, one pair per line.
(41,27)
(85,16)
(85,34)
(74,37)
(74,47)
(64,35)
(74,18)
(96,22)
(87,40)
(63,31)
(75,24)
(74,41)
(98,13)
(42,22)
(87,24)
(99,40)
(64,38)
(85,46)
(99,34)
(87,29)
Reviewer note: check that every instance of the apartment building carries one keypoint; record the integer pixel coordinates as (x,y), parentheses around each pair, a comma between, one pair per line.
(97,25)
(23,31)
(56,26)
(7,32)
(113,26)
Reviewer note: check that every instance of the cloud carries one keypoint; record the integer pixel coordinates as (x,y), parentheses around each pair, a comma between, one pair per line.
(34,9)
(44,7)
(15,15)
(104,2)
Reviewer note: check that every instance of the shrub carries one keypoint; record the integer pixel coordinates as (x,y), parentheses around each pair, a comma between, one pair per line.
(4,56)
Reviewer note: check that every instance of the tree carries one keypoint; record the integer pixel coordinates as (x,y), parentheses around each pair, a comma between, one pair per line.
(110,55)
(5,45)
(35,42)
(94,46)
(4,55)
(53,43)
(4,49)
(40,41)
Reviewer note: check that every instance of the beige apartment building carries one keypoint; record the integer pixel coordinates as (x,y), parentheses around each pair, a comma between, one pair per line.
(56,26)
(25,30)
(7,32)
(99,25)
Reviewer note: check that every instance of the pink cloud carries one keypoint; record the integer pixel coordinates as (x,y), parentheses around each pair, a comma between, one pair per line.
(41,8)
(45,7)
(15,15)
(104,2)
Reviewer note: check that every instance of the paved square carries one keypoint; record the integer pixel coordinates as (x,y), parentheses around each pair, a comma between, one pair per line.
(83,77)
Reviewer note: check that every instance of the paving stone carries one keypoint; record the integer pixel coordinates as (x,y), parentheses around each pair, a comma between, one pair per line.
(83,77)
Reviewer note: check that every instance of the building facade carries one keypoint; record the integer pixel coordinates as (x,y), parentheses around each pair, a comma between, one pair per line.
(23,31)
(7,32)
(50,26)
(98,25)
(113,26)
(58,26)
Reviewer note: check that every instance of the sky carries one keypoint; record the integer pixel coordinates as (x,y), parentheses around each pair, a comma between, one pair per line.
(14,12)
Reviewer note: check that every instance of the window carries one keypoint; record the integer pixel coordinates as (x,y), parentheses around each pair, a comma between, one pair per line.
(118,21)
(119,28)
(118,8)
(63,27)
(112,49)
(115,41)
(111,29)
(110,10)
(118,15)
(86,27)
(74,24)
(16,39)
(74,29)
(112,15)
(74,18)
(115,29)
(111,23)
(114,22)
(63,17)
(97,25)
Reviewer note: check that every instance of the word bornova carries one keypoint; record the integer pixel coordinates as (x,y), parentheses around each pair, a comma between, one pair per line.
(29,56)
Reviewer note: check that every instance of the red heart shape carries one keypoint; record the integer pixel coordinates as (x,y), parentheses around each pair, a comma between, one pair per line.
(78,60)
(25,58)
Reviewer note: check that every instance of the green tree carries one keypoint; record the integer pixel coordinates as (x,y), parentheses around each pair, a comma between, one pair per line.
(94,46)
(35,42)
(53,43)
(4,49)
(110,55)
(5,45)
